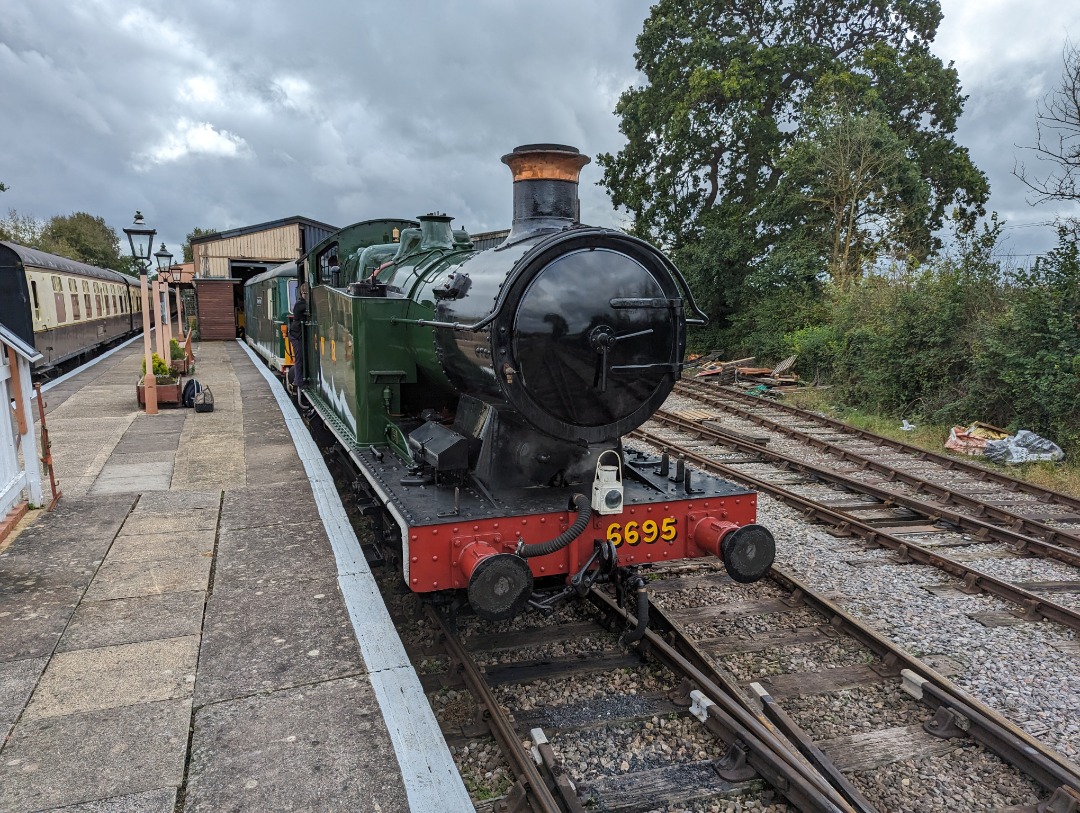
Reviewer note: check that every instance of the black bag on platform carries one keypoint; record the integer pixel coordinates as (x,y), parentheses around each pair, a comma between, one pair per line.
(204,400)
(191,389)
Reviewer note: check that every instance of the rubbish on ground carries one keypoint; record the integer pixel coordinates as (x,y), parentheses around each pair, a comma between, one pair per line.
(907,426)
(972,440)
(997,445)
(1023,447)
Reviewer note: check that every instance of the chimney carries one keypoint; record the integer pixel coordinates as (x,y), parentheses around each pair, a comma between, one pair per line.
(545,188)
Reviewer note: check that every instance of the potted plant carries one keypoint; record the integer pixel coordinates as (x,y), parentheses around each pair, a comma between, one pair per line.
(178,361)
(168,384)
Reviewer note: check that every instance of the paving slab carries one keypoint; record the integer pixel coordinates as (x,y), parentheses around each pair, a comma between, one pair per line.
(96,518)
(50,564)
(151,547)
(210,461)
(86,757)
(133,478)
(272,551)
(117,458)
(321,747)
(129,620)
(162,423)
(112,676)
(17,682)
(259,506)
(180,501)
(33,621)
(171,523)
(152,801)
(279,477)
(274,635)
(130,579)
(137,443)
(271,457)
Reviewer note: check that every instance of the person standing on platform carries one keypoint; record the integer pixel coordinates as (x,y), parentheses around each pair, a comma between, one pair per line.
(296,335)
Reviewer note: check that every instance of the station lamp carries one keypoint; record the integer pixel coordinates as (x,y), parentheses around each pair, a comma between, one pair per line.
(141,238)
(164,263)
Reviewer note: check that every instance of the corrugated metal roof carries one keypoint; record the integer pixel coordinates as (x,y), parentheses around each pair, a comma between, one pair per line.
(272,224)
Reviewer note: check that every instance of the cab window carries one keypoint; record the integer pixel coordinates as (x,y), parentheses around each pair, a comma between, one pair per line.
(329,269)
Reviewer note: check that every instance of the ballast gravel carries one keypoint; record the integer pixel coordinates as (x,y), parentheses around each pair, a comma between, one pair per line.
(1029,672)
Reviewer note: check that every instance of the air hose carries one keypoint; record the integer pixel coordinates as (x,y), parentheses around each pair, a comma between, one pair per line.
(566,537)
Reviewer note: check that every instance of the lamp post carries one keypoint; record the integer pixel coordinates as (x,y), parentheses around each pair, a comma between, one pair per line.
(164,264)
(141,238)
(176,274)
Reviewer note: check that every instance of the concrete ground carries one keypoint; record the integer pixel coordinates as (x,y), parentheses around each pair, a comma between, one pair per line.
(173,636)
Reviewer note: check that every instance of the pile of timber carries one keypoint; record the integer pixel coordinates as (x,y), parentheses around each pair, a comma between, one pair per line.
(741,374)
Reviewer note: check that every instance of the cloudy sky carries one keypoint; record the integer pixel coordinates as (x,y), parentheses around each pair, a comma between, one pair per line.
(228,113)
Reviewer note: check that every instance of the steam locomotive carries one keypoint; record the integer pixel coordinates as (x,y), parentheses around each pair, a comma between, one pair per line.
(484,395)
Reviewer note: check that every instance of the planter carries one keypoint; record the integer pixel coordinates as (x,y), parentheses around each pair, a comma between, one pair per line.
(181,366)
(166,394)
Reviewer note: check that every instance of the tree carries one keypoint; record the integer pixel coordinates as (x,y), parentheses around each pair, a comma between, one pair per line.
(83,237)
(1057,139)
(735,88)
(22,229)
(853,190)
(198,231)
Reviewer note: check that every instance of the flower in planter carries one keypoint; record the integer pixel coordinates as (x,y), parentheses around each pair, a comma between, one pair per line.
(162,373)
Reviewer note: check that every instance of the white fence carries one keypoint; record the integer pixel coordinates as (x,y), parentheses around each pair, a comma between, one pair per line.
(17,428)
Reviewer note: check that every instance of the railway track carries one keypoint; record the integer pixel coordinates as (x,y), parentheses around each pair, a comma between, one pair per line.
(918,528)
(677,722)
(552,714)
(1040,513)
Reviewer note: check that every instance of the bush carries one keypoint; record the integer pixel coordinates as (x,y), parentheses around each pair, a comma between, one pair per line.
(176,352)
(161,369)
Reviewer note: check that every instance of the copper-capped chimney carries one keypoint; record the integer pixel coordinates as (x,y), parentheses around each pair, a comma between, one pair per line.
(545,188)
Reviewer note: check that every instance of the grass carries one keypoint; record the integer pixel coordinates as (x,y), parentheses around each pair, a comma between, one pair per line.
(1063,476)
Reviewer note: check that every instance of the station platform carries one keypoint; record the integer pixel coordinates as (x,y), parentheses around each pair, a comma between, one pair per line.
(194,627)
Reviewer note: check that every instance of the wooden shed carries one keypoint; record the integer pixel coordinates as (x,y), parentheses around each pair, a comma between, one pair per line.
(224,261)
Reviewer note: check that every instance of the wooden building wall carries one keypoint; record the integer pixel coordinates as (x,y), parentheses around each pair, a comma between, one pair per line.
(217,314)
(273,245)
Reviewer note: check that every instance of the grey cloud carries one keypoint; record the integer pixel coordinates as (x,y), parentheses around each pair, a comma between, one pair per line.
(407,107)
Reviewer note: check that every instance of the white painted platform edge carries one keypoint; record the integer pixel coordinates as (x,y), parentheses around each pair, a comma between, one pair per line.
(431,778)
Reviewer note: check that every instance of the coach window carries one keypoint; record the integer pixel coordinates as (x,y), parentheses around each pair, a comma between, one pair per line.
(37,302)
(86,296)
(75,307)
(58,300)
(97,298)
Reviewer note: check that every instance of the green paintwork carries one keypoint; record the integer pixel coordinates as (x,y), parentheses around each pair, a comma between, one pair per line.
(268,300)
(362,351)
